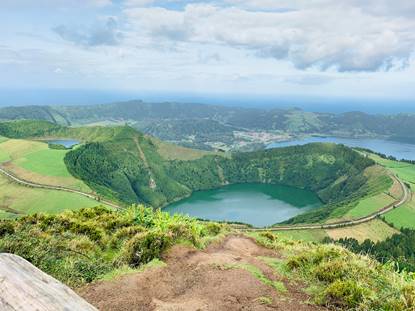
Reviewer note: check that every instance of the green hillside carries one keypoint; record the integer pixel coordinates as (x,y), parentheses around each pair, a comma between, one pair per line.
(198,125)
(130,168)
(127,166)
(90,245)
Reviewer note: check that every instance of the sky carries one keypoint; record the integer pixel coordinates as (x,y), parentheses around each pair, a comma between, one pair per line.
(338,49)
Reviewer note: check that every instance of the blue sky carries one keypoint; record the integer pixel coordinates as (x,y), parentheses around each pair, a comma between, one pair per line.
(302,48)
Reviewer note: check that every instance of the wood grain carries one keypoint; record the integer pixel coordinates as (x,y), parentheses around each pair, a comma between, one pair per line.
(25,287)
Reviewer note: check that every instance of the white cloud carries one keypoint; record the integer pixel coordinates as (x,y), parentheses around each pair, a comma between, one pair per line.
(315,34)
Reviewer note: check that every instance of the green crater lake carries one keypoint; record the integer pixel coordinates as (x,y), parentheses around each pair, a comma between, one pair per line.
(260,205)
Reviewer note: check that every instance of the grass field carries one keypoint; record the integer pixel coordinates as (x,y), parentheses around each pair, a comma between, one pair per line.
(375,230)
(175,152)
(380,190)
(369,205)
(315,235)
(45,162)
(404,171)
(17,200)
(403,216)
(36,162)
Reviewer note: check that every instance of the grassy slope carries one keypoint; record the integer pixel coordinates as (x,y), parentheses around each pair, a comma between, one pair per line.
(83,246)
(375,230)
(16,200)
(34,161)
(403,216)
(339,279)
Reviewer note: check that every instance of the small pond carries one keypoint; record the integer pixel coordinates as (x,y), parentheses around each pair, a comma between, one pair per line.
(67,143)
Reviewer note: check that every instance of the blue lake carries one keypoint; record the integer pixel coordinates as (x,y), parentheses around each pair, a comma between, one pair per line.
(256,204)
(396,149)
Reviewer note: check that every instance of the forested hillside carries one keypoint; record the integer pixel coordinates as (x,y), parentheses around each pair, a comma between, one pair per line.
(129,167)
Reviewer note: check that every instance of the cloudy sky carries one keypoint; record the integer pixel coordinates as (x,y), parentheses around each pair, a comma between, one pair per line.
(332,48)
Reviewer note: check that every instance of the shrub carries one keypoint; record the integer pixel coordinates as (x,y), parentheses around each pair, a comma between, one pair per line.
(6,227)
(344,294)
(125,233)
(269,236)
(331,271)
(144,247)
(212,228)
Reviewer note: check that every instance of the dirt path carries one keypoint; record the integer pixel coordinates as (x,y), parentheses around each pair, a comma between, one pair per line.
(202,280)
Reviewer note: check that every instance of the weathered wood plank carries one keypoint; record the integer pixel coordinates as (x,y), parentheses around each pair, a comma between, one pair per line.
(25,287)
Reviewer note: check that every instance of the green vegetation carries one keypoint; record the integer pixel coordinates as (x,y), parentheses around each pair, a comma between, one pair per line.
(57,146)
(45,162)
(126,166)
(94,243)
(370,205)
(197,126)
(403,170)
(398,248)
(375,230)
(376,182)
(35,162)
(142,175)
(340,279)
(16,200)
(312,235)
(402,217)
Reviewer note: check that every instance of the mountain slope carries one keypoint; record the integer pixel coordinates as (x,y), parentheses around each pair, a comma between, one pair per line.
(175,121)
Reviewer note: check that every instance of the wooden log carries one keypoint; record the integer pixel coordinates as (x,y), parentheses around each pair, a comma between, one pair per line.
(25,287)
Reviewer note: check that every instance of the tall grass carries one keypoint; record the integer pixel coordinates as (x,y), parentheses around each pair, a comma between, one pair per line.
(82,246)
(342,280)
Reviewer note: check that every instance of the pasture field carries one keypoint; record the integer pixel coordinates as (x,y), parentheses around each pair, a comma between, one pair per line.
(17,200)
(379,191)
(375,230)
(369,206)
(403,216)
(312,235)
(404,171)
(36,162)
(174,152)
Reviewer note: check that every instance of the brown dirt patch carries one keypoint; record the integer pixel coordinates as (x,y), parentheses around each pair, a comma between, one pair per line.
(196,280)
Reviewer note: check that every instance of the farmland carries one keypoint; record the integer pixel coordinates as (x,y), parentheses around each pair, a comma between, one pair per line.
(35,162)
(17,200)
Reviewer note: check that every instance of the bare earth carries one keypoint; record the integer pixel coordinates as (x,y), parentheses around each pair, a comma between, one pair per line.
(197,280)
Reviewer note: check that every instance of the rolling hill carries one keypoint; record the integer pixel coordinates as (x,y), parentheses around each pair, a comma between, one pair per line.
(199,126)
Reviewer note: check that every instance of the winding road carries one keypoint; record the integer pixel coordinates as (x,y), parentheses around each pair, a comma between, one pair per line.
(405,197)
(27,183)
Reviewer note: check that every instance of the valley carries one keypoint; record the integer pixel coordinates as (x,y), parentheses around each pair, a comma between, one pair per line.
(47,193)
(214,127)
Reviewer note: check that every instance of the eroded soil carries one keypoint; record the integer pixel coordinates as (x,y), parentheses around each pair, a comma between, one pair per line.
(202,280)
